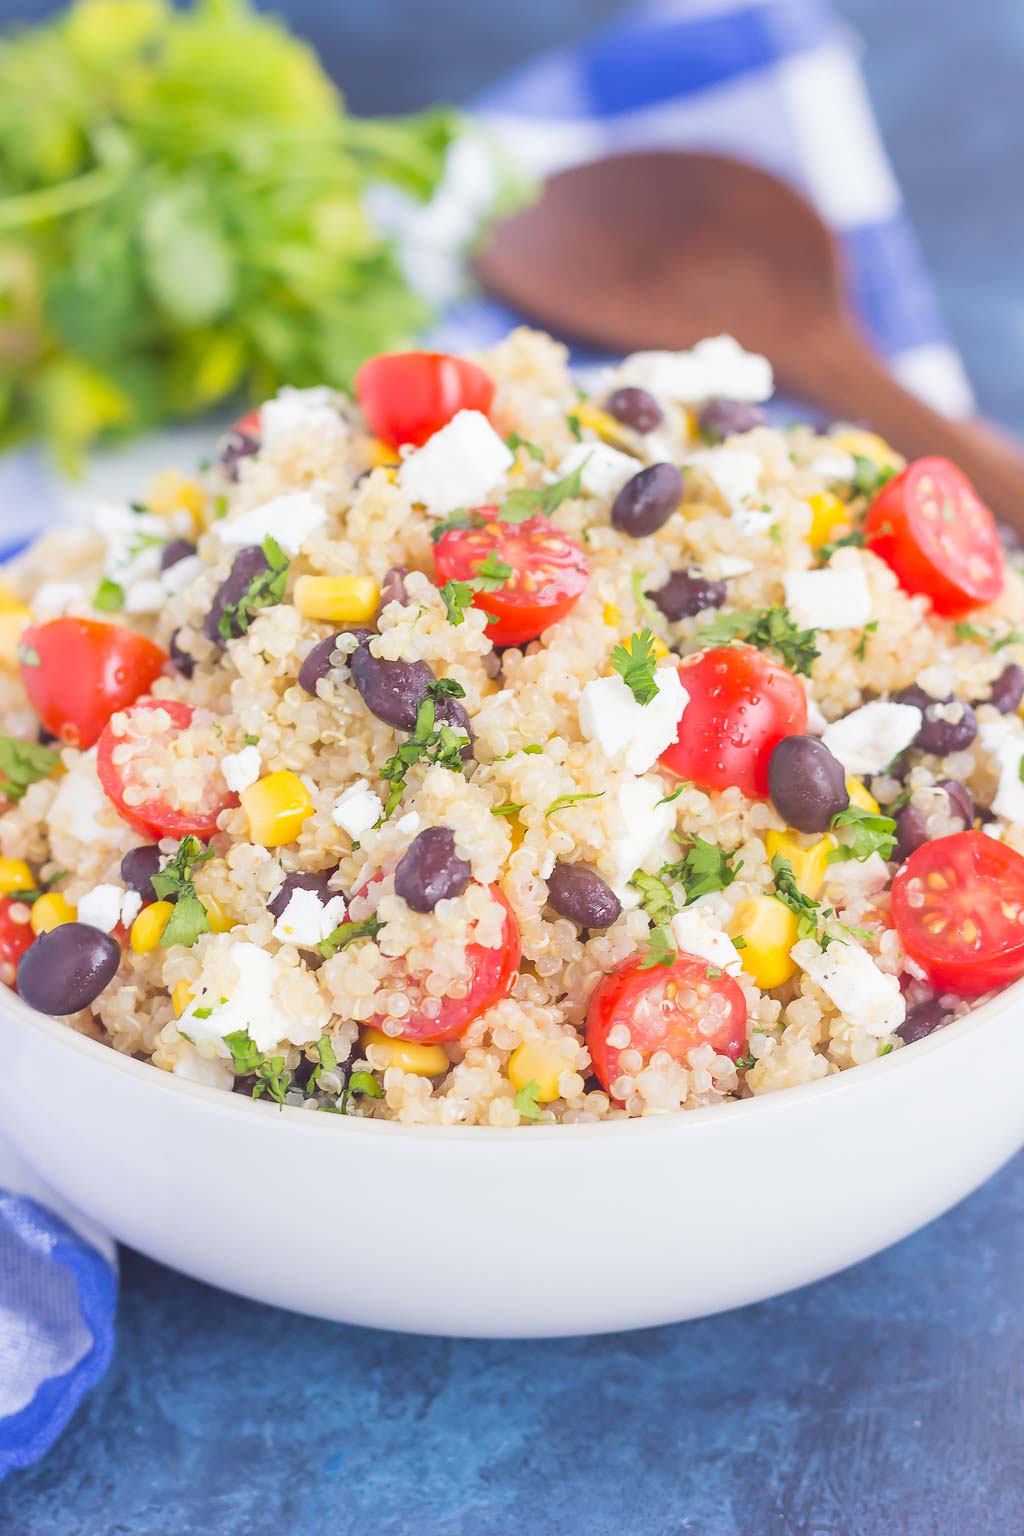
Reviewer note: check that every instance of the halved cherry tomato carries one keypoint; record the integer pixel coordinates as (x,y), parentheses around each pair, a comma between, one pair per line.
(494,971)
(549,572)
(958,906)
(666,1008)
(408,396)
(77,672)
(931,527)
(15,938)
(248,425)
(741,706)
(124,759)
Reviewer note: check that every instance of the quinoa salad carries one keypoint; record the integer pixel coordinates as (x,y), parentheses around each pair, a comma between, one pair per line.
(483,750)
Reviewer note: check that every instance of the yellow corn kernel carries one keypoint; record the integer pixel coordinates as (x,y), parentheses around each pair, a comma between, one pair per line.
(148,927)
(15,875)
(410,1055)
(769,931)
(52,911)
(602,422)
(611,615)
(381,456)
(865,445)
(337,599)
(809,864)
(181,996)
(861,797)
(13,621)
(659,648)
(828,515)
(276,807)
(219,920)
(538,1062)
(170,492)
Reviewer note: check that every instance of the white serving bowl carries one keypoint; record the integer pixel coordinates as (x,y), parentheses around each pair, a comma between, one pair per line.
(537,1231)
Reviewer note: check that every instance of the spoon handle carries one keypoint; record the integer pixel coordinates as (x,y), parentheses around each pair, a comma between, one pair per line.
(834,368)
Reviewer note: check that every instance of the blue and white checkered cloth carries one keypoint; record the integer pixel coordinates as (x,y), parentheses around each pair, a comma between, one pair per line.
(774,81)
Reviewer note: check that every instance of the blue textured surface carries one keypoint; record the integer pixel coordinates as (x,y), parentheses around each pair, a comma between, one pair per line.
(888,1401)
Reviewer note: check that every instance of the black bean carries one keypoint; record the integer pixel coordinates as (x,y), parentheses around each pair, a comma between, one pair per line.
(960,801)
(646,502)
(686,593)
(318,663)
(806,783)
(723,418)
(580,894)
(175,550)
(1008,689)
(394,690)
(429,871)
(44,737)
(911,831)
(635,408)
(318,882)
(139,866)
(240,445)
(392,588)
(937,734)
(181,660)
(68,968)
(248,564)
(922,1020)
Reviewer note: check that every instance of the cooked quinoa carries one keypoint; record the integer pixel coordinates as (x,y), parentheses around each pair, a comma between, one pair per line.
(318,986)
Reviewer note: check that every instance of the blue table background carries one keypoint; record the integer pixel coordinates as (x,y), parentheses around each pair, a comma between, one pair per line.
(888,1401)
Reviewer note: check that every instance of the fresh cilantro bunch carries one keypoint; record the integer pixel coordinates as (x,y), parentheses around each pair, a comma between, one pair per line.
(183,217)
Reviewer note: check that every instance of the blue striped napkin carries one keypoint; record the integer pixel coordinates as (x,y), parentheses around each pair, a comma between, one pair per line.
(773,80)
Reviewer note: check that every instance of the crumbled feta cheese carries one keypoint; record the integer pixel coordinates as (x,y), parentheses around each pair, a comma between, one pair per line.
(717,368)
(300,410)
(1004,740)
(646,827)
(81,810)
(289,519)
(698,931)
(134,542)
(240,769)
(357,809)
(856,879)
(828,599)
(605,469)
(181,574)
(736,475)
(107,905)
(407,824)
(835,465)
(457,467)
(56,597)
(627,732)
(306,921)
(817,724)
(869,738)
(725,566)
(252,1006)
(146,596)
(867,997)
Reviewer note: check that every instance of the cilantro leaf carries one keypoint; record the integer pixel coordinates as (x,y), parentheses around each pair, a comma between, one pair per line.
(807,911)
(264,590)
(575,426)
(174,881)
(770,630)
(668,799)
(871,833)
(429,742)
(272,1079)
(514,441)
(660,950)
(634,662)
(565,801)
(524,503)
(187,921)
(525,1101)
(702,869)
(109,596)
(347,933)
(655,897)
(506,810)
(457,596)
(23,763)
(869,477)
(860,648)
(489,575)
(853,540)
(363,1083)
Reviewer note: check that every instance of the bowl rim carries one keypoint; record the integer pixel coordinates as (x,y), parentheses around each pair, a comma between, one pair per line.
(697,1120)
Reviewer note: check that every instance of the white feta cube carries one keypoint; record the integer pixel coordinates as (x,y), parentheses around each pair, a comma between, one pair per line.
(867,739)
(457,467)
(605,469)
(868,998)
(697,931)
(736,475)
(147,596)
(717,368)
(724,566)
(1004,741)
(55,597)
(828,599)
(627,732)
(289,519)
(646,825)
(293,411)
(357,809)
(835,465)
(181,574)
(107,905)
(306,921)
(251,1006)
(408,824)
(240,769)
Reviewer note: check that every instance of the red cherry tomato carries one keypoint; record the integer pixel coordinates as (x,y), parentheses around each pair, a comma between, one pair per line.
(77,672)
(549,572)
(249,425)
(931,527)
(408,396)
(15,938)
(665,1008)
(741,706)
(958,906)
(494,971)
(123,758)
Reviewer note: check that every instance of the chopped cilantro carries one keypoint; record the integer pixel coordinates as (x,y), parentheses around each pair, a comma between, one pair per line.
(347,933)
(775,533)
(572,421)
(668,799)
(363,1083)
(854,540)
(429,743)
(514,441)
(506,810)
(643,601)
(524,503)
(28,656)
(326,1061)
(525,1101)
(109,596)
(713,972)
(460,518)
(883,1050)
(739,942)
(702,869)
(200,1013)
(871,833)
(251,740)
(264,590)
(860,648)
(869,477)
(806,910)
(564,801)
(965,631)
(770,630)
(660,950)
(533,750)
(23,763)
(189,918)
(247,1059)
(489,575)
(655,897)
(634,662)
(457,596)
(744,1063)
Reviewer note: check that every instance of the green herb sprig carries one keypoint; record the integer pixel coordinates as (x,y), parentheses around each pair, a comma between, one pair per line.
(770,630)
(429,743)
(175,881)
(23,763)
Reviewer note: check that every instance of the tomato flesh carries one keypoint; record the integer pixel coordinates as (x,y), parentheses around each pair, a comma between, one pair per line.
(78,672)
(408,396)
(15,938)
(122,757)
(958,907)
(666,1008)
(493,973)
(741,706)
(549,573)
(932,528)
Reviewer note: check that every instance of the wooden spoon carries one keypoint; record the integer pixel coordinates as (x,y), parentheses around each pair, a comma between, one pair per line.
(659,249)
